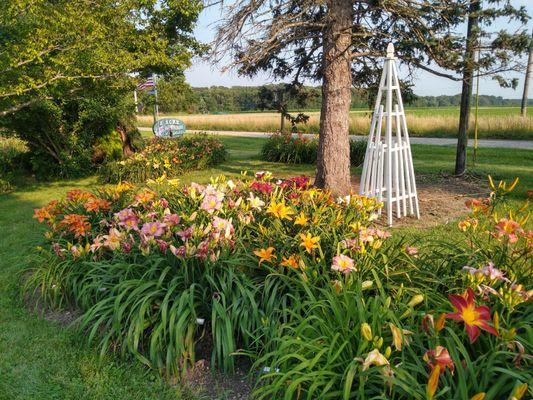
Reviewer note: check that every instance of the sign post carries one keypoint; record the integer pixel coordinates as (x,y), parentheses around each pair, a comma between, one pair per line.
(156,108)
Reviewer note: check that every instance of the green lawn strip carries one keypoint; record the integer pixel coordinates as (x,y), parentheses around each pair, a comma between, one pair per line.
(40,359)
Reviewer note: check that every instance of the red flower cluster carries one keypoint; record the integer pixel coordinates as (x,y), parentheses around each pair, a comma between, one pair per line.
(299,182)
(263,187)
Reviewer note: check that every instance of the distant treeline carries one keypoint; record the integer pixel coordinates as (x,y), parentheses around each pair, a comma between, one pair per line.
(177,96)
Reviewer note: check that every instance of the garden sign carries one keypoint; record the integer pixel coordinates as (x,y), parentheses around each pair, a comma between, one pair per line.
(168,128)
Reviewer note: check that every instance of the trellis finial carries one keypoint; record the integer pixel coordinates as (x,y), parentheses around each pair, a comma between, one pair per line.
(390,50)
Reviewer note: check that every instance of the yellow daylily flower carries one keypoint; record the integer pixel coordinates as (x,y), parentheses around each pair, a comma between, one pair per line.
(280,210)
(309,242)
(301,219)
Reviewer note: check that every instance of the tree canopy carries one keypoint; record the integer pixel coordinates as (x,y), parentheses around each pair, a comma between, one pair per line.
(48,48)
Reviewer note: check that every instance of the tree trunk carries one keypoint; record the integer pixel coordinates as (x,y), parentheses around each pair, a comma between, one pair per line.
(466,92)
(127,146)
(333,162)
(523,108)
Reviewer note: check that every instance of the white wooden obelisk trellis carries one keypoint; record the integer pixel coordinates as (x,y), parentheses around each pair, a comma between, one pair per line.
(388,173)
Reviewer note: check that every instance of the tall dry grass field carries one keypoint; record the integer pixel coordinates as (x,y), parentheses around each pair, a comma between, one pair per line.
(491,124)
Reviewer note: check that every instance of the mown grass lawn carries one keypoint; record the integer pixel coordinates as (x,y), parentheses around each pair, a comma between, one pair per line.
(42,360)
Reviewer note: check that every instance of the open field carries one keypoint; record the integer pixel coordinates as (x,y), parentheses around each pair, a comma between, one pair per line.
(494,122)
(42,360)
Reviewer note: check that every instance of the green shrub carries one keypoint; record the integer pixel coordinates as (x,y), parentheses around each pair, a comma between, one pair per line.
(107,148)
(166,158)
(61,133)
(12,151)
(284,147)
(13,161)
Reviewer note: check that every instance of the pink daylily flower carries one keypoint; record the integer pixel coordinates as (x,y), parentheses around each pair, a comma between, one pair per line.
(153,229)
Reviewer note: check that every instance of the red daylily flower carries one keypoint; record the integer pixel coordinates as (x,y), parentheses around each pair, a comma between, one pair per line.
(474,318)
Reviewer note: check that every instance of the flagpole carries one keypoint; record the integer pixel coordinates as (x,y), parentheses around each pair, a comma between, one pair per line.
(156,111)
(136,102)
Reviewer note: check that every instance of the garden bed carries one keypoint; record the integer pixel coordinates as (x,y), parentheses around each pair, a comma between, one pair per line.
(295,282)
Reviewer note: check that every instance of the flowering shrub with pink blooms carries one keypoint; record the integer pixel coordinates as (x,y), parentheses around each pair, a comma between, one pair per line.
(323,302)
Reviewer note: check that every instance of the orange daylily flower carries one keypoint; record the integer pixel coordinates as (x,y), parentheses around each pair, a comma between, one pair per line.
(467,224)
(78,195)
(145,196)
(477,205)
(292,262)
(95,204)
(46,212)
(438,360)
(309,242)
(474,317)
(264,254)
(76,223)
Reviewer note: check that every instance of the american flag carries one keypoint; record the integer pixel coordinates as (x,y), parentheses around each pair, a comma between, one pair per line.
(150,82)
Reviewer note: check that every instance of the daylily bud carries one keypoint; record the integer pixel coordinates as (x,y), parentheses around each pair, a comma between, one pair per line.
(337,286)
(387,302)
(388,352)
(379,343)
(496,321)
(519,392)
(366,331)
(441,321)
(479,396)
(367,285)
(417,299)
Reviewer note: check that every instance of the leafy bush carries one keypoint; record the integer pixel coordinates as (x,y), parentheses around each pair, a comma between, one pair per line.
(62,134)
(283,147)
(166,158)
(12,161)
(324,304)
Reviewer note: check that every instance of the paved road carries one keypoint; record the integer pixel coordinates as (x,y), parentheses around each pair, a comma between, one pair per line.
(508,144)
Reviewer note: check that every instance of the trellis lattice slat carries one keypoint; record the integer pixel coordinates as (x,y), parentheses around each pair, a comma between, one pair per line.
(388,173)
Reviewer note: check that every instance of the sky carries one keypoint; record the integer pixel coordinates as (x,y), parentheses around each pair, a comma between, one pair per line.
(202,73)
